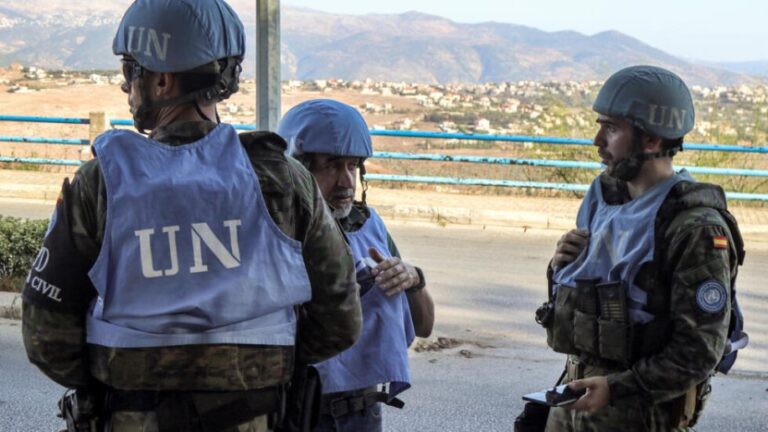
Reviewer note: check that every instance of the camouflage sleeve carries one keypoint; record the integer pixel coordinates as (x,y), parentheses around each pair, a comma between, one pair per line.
(331,322)
(57,294)
(699,315)
(392,246)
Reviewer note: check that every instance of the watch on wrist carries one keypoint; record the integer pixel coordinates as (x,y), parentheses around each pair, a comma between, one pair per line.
(420,285)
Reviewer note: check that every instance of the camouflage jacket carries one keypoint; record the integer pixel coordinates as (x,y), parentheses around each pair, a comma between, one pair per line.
(57,296)
(682,346)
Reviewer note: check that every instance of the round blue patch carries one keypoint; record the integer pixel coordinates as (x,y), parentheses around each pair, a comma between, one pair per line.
(711,296)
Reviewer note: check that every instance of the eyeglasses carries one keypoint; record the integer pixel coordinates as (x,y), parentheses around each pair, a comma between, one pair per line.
(131,70)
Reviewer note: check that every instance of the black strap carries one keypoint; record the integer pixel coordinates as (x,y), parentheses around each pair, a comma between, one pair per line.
(125,400)
(228,413)
(562,375)
(346,405)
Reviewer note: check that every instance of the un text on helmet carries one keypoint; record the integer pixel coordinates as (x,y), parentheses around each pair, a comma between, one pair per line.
(151,44)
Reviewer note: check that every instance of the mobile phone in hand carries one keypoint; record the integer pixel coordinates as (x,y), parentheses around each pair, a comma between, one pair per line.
(559,396)
(365,277)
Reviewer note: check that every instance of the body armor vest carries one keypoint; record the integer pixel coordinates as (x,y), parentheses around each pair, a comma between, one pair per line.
(381,353)
(622,239)
(190,253)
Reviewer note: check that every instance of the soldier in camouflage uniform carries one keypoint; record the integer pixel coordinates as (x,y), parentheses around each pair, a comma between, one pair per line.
(174,266)
(332,140)
(640,293)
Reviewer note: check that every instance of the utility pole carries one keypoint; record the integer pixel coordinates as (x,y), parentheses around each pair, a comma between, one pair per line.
(267,64)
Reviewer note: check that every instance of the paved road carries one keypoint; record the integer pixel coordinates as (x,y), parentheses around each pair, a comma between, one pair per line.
(486,285)
(29,209)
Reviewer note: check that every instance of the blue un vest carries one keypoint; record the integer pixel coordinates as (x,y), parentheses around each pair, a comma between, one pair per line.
(381,354)
(190,253)
(622,239)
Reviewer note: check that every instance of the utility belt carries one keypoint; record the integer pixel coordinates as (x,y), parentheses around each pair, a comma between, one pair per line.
(576,368)
(201,411)
(590,322)
(593,318)
(682,412)
(344,403)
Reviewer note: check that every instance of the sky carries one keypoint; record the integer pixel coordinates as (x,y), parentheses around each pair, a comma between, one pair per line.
(710,30)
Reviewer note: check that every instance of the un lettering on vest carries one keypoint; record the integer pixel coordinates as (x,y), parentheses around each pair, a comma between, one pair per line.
(150,44)
(200,234)
(664,116)
(610,245)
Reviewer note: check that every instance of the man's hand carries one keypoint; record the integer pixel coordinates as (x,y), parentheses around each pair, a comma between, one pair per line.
(392,274)
(598,394)
(569,247)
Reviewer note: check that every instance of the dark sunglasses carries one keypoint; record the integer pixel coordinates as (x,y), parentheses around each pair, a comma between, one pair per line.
(131,70)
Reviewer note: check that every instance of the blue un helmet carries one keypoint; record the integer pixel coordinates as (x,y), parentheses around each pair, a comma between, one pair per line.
(326,126)
(653,100)
(182,36)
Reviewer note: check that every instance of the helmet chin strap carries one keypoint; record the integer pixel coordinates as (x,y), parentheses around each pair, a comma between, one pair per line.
(227,84)
(203,116)
(363,183)
(145,109)
(629,168)
(142,113)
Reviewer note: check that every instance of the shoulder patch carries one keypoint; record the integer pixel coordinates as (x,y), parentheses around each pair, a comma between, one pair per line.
(711,296)
(720,242)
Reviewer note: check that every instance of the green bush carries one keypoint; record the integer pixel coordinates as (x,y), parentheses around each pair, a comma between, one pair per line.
(20,240)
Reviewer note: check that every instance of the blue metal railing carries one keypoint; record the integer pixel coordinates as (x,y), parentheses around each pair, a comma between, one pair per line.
(375,132)
(37,119)
(477,182)
(39,161)
(550,140)
(524,184)
(554,163)
(38,140)
(434,157)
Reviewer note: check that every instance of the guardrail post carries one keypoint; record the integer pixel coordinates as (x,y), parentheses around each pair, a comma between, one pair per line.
(98,124)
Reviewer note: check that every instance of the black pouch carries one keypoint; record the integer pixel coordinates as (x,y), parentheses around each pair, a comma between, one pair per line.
(614,340)
(302,410)
(533,418)
(613,326)
(82,410)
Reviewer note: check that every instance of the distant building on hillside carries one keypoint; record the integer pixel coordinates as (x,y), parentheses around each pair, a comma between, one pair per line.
(482,125)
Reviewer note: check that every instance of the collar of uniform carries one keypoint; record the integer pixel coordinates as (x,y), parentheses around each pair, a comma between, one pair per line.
(182,132)
(356,218)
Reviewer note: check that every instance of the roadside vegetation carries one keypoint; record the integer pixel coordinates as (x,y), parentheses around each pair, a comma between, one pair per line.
(20,240)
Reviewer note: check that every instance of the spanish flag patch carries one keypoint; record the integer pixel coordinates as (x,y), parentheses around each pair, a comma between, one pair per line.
(720,242)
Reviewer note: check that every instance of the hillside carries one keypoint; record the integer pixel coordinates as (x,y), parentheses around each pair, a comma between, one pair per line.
(412,46)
